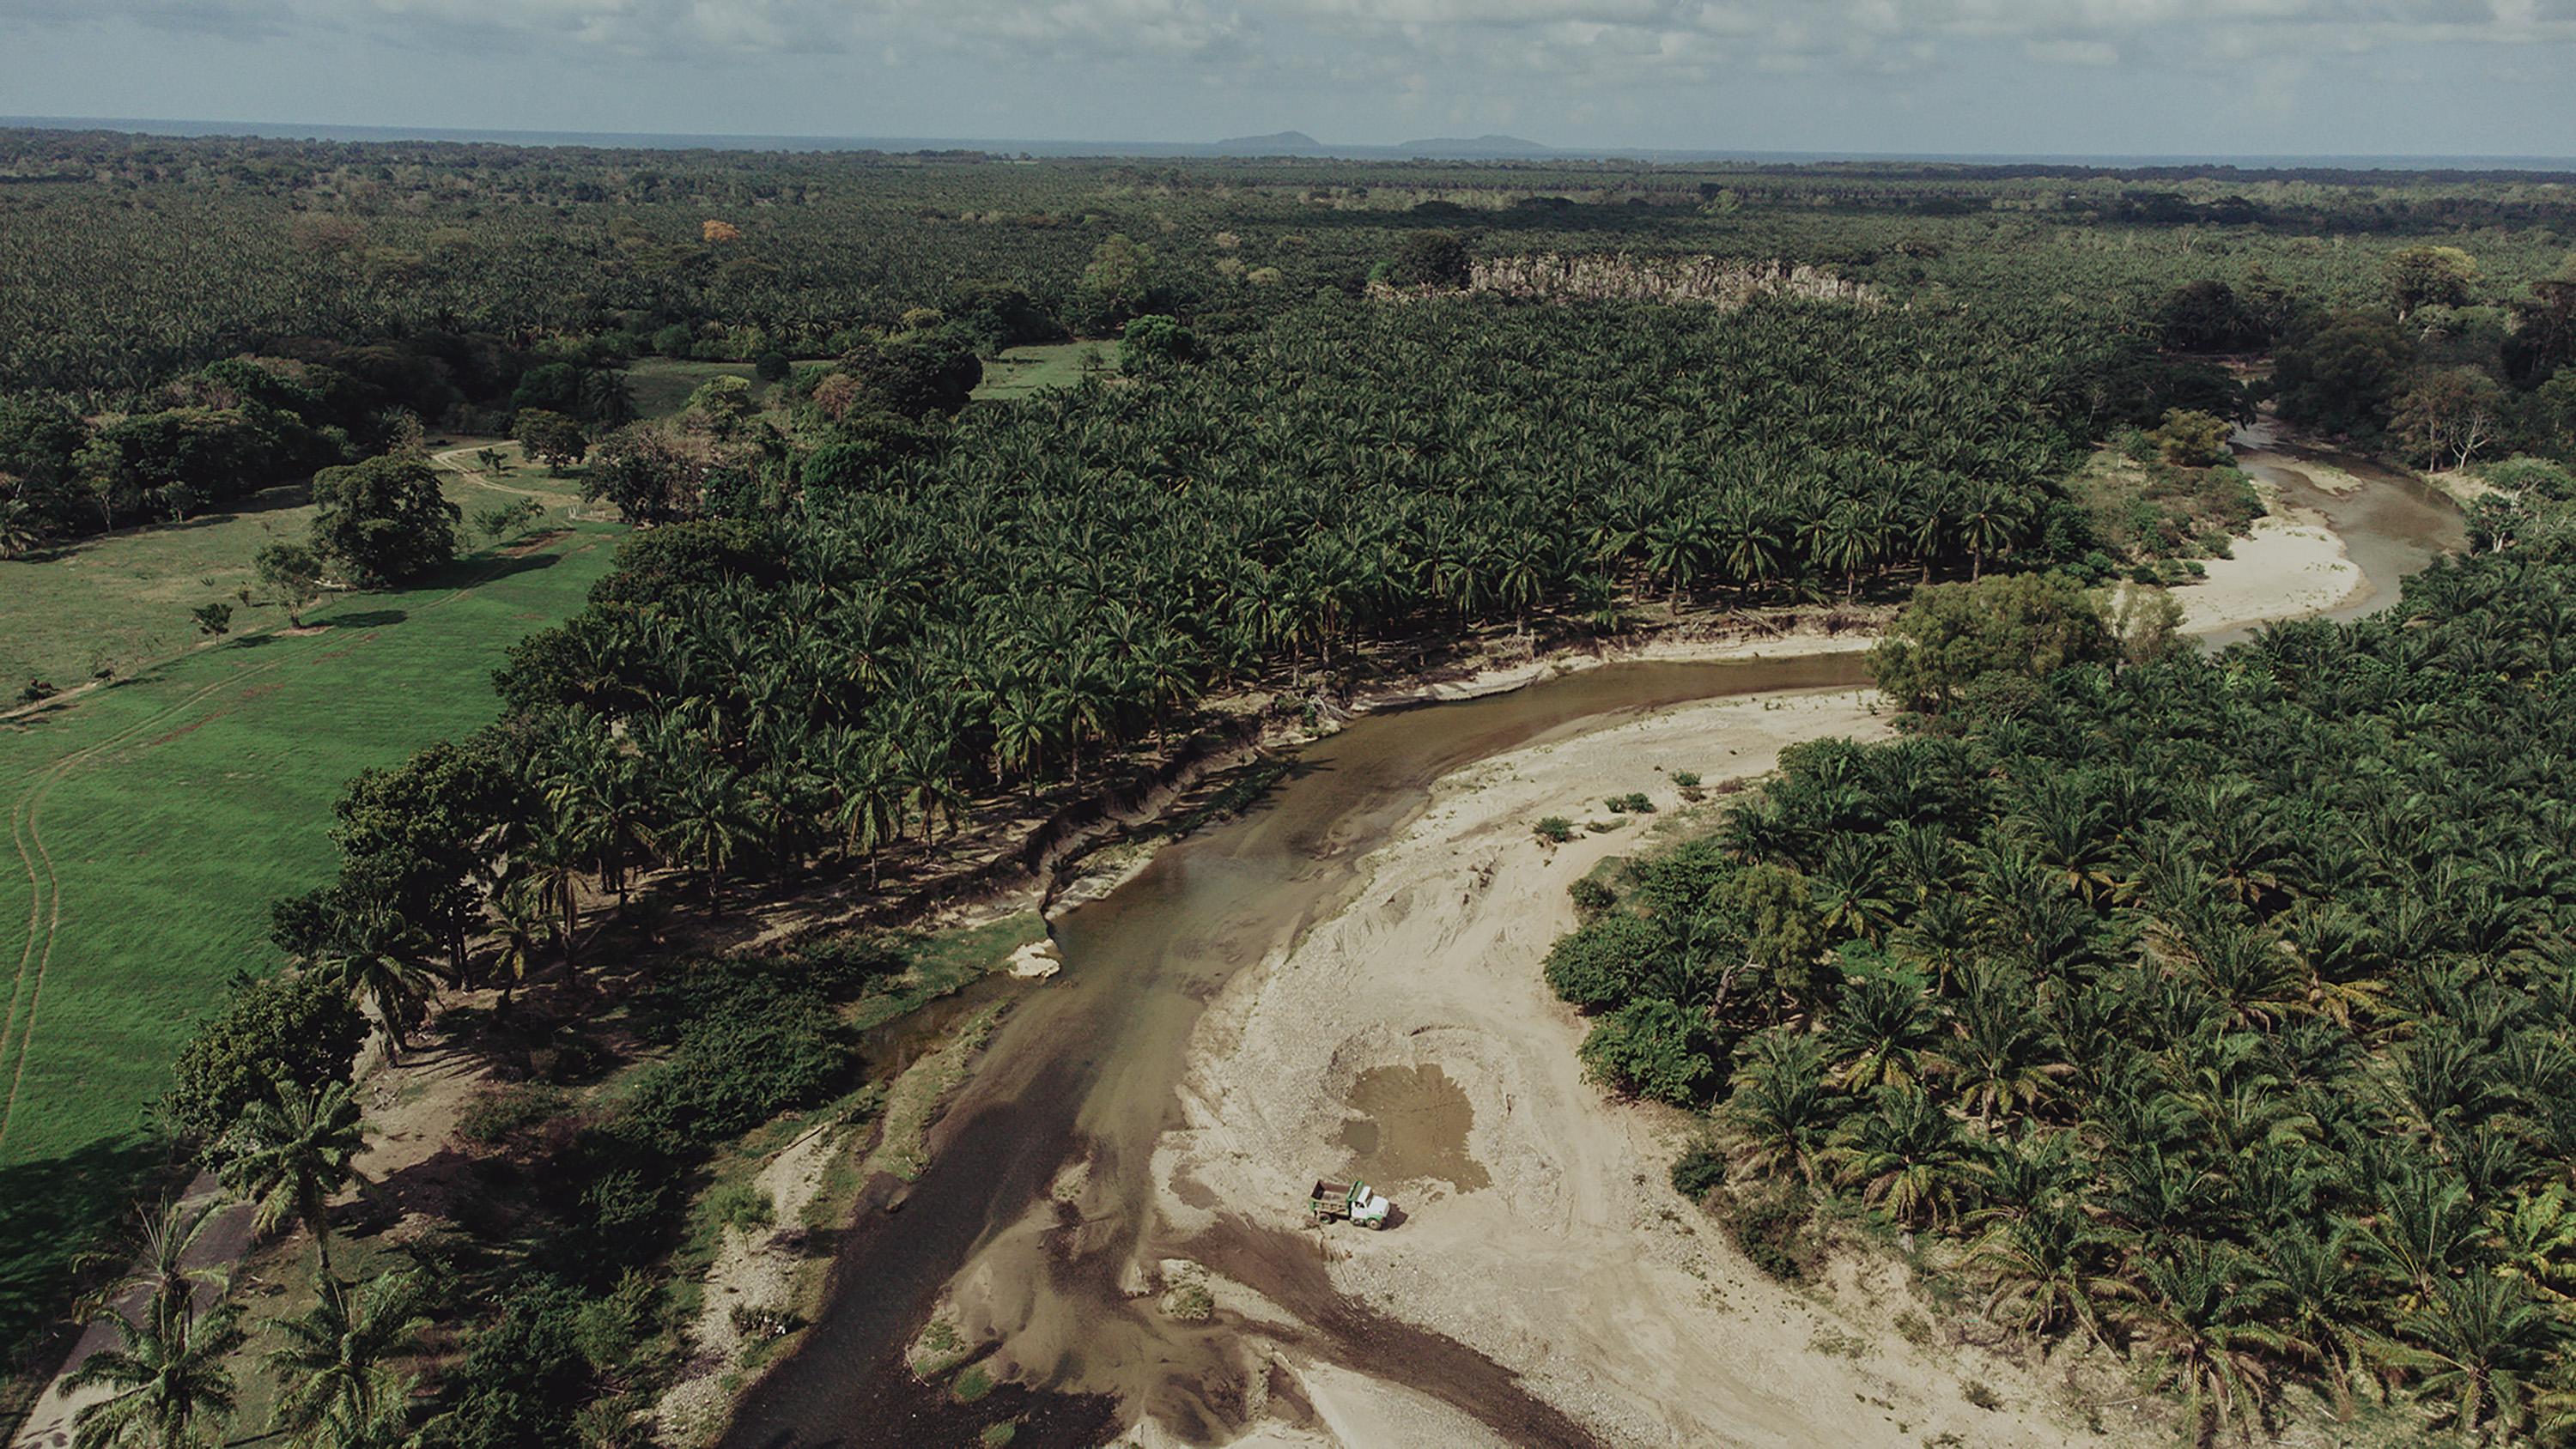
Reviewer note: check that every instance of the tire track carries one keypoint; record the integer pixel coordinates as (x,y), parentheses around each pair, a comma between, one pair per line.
(44,884)
(45,903)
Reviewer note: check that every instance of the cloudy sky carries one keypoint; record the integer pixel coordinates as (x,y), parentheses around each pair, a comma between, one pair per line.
(2202,77)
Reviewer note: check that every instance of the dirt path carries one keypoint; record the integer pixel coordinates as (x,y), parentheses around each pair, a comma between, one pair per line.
(452,459)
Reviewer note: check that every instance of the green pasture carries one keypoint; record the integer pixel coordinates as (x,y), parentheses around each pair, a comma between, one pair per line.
(119,601)
(1020,371)
(661,385)
(154,818)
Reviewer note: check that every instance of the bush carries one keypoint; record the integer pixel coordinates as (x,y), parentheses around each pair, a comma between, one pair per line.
(1651,1048)
(1769,1224)
(1592,897)
(523,1376)
(1950,635)
(1699,1171)
(501,1113)
(1430,259)
(1636,803)
(1601,964)
(298,1027)
(751,1038)
(741,1205)
(1555,829)
(1686,779)
(1154,342)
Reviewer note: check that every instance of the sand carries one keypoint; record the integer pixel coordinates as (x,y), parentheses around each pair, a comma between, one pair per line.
(755,1269)
(1546,1236)
(2289,567)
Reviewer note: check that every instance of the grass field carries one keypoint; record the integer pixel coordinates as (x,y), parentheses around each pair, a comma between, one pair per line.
(121,600)
(1020,371)
(661,385)
(153,820)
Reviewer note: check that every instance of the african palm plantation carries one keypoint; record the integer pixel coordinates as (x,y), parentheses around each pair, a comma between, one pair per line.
(2218,1009)
(831,794)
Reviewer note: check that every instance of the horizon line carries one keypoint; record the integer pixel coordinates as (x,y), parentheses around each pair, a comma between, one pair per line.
(1098,146)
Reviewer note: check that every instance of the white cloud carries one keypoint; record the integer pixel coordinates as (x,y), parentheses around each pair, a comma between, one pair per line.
(1466,46)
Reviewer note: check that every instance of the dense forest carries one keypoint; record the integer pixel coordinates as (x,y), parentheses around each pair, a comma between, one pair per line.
(2216,1007)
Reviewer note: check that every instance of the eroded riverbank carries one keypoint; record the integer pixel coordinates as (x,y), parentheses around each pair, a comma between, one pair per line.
(1043,1184)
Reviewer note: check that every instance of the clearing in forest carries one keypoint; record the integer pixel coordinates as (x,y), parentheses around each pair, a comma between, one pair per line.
(1020,371)
(155,818)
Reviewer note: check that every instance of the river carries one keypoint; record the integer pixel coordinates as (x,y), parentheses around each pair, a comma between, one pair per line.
(1086,1070)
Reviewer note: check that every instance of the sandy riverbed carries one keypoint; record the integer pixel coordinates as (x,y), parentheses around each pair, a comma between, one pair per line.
(1540,1229)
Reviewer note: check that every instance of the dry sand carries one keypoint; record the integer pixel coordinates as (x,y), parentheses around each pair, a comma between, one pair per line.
(755,1269)
(2289,567)
(1539,1227)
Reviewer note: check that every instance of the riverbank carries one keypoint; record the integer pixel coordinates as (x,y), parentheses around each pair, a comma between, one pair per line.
(1538,1229)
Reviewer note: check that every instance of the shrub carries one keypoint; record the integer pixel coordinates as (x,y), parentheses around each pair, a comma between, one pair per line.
(1699,1171)
(2016,624)
(1687,779)
(1592,897)
(741,1205)
(1601,964)
(501,1113)
(1651,1048)
(1769,1225)
(762,1322)
(1616,804)
(1555,829)
(298,1027)
(1636,803)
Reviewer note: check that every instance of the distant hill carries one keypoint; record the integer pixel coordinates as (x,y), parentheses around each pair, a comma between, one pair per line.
(1444,148)
(1277,143)
(1474,148)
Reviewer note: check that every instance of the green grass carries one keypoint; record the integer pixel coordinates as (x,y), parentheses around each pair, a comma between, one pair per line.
(122,600)
(661,385)
(157,818)
(939,962)
(1020,371)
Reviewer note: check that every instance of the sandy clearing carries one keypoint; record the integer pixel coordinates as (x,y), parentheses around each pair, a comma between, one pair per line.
(1497,678)
(1577,1268)
(2290,566)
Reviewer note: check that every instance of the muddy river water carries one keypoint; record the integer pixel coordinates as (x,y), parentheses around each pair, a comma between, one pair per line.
(1039,1190)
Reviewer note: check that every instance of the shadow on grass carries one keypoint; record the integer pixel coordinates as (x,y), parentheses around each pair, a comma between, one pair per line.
(367,619)
(52,1211)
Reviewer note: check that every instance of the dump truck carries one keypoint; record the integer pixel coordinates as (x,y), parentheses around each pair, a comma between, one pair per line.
(1356,1201)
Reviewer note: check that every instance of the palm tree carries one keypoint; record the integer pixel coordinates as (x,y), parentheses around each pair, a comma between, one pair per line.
(289,1154)
(1880,1031)
(2044,1272)
(333,1361)
(2206,1310)
(372,966)
(1906,1155)
(2482,1342)
(1781,1115)
(1999,1055)
(160,1270)
(710,821)
(166,1378)
(2325,1305)
(553,854)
